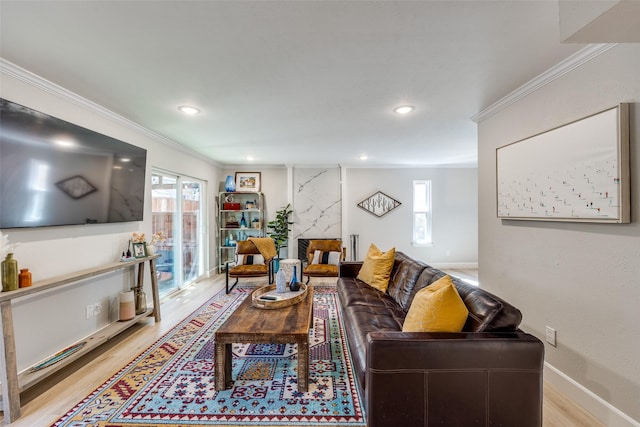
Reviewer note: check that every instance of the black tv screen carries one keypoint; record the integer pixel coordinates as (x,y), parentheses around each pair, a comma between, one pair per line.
(53,172)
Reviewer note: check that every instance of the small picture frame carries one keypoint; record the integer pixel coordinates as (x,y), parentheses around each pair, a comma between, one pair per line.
(248,181)
(139,250)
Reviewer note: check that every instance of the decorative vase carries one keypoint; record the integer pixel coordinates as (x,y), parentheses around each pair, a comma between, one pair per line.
(127,305)
(294,285)
(230,184)
(281,281)
(24,278)
(141,301)
(9,273)
(151,250)
(243,222)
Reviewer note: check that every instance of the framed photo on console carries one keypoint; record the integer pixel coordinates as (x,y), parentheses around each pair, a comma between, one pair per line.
(139,250)
(248,181)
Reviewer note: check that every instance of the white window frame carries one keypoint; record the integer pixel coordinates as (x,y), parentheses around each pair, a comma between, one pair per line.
(422,214)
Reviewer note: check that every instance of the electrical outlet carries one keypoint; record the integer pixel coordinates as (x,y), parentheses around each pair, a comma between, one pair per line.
(97,309)
(89,311)
(551,336)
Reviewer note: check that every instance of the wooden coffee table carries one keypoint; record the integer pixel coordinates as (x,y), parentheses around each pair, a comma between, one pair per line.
(253,325)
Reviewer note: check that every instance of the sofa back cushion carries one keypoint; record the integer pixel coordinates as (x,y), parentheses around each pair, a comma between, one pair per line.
(402,282)
(487,312)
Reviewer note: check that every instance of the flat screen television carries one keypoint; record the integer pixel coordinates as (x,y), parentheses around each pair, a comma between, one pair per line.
(53,172)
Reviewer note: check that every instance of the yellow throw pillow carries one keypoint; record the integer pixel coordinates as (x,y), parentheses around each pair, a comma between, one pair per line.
(376,268)
(436,308)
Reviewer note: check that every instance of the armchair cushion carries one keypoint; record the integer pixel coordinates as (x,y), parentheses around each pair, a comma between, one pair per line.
(326,257)
(244,259)
(321,270)
(329,245)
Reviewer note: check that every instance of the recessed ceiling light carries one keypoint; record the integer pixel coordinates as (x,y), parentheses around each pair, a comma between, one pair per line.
(403,109)
(250,158)
(363,157)
(187,109)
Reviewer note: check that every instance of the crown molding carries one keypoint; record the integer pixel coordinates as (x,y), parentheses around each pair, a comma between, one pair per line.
(569,64)
(19,73)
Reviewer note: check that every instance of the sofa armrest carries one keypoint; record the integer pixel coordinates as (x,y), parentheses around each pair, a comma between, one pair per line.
(349,268)
(454,378)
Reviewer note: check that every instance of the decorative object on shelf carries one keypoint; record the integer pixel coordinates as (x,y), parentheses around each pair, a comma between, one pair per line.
(294,285)
(243,221)
(256,223)
(139,250)
(281,281)
(127,305)
(280,228)
(379,204)
(24,278)
(141,300)
(230,184)
(248,181)
(9,273)
(57,357)
(156,238)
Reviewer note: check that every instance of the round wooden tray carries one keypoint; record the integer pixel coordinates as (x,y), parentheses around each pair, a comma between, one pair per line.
(285,299)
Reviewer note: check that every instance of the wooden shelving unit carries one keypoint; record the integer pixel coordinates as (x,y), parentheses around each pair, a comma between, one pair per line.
(253,215)
(14,383)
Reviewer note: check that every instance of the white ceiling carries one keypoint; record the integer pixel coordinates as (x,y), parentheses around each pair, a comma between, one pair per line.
(293,82)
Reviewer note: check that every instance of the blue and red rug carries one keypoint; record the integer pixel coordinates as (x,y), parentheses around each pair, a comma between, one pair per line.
(172,382)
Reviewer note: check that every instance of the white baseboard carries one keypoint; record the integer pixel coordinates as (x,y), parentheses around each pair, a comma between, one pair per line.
(447,265)
(608,414)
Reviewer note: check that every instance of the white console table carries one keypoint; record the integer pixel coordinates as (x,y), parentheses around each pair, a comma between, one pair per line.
(12,383)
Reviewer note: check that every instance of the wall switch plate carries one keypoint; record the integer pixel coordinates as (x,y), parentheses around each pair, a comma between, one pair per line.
(97,309)
(551,336)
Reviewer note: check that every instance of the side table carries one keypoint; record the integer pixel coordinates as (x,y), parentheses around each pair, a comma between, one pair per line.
(287,266)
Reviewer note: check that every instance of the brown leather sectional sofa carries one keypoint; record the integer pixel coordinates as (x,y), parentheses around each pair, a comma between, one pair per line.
(490,374)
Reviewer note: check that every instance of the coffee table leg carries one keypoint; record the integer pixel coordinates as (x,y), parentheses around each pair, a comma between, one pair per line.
(303,366)
(222,370)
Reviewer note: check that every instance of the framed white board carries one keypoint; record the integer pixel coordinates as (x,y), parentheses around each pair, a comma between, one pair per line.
(576,172)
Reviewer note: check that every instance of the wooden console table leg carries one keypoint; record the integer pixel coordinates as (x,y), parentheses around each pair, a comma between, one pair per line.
(8,365)
(154,289)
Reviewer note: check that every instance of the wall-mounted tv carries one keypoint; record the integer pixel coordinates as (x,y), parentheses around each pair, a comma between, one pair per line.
(53,172)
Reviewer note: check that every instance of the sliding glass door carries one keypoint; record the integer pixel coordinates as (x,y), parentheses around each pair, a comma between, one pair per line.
(178,210)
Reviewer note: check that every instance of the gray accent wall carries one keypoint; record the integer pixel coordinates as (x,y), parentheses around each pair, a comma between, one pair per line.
(582,279)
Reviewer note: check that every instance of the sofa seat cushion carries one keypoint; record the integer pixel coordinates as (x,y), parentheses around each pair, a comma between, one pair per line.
(354,292)
(363,319)
(317,270)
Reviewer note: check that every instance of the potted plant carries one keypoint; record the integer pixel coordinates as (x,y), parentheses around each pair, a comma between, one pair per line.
(279,229)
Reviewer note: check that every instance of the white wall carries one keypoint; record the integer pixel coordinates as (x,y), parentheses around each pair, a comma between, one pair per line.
(581,279)
(454,203)
(52,320)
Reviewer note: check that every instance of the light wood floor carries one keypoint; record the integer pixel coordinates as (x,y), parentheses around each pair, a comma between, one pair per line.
(46,402)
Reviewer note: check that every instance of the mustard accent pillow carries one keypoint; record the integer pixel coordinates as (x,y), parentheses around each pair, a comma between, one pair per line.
(376,268)
(436,308)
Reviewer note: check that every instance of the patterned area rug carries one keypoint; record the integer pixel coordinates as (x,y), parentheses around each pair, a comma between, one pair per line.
(172,384)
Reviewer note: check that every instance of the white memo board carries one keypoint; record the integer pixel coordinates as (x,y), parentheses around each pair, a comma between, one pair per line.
(576,172)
